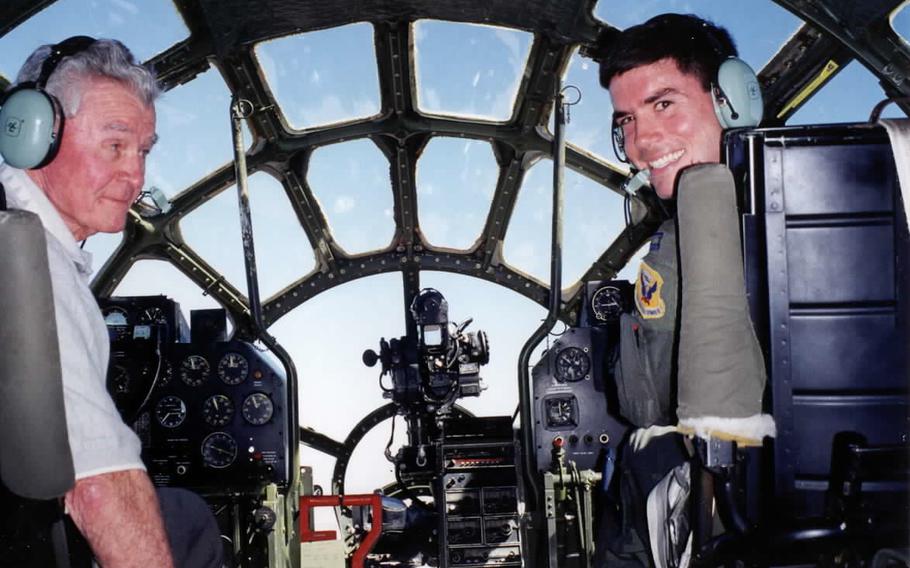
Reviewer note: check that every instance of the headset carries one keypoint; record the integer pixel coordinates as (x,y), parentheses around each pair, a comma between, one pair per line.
(31,119)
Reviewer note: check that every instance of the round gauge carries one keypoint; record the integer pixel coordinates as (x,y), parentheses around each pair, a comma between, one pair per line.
(165,373)
(572,364)
(607,303)
(561,413)
(194,370)
(118,380)
(152,315)
(115,316)
(170,411)
(233,368)
(219,450)
(257,409)
(217,410)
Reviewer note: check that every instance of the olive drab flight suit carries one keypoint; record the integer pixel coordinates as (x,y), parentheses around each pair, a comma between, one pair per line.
(646,359)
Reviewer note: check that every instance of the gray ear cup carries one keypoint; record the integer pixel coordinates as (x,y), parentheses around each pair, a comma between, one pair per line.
(31,122)
(737,95)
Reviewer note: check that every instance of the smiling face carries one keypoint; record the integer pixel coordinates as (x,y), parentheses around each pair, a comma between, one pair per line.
(667,119)
(100,168)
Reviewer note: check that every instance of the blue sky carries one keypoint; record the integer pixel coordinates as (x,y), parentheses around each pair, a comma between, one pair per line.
(456,178)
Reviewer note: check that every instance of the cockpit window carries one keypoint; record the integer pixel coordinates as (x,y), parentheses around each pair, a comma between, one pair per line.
(900,21)
(592,216)
(757,38)
(468,70)
(588,124)
(456,178)
(351,181)
(194,131)
(323,77)
(848,97)
(148,28)
(273,220)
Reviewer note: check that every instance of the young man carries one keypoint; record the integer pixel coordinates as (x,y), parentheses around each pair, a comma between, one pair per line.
(660,75)
(107,100)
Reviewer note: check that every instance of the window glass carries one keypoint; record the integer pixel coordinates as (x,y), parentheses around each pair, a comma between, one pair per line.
(194,134)
(146,28)
(311,86)
(468,70)
(589,120)
(351,182)
(456,178)
(900,21)
(102,246)
(592,218)
(848,97)
(274,228)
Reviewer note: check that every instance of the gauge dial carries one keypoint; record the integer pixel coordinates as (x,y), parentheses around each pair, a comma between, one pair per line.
(572,364)
(194,370)
(170,411)
(217,410)
(561,413)
(219,450)
(233,368)
(607,303)
(152,316)
(115,316)
(257,409)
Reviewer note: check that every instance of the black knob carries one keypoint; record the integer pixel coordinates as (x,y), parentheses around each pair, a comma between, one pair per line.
(369,358)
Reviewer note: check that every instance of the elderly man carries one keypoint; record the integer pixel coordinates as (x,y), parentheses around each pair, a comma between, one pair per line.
(92,172)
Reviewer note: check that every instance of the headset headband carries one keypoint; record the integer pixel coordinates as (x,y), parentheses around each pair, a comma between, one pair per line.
(59,52)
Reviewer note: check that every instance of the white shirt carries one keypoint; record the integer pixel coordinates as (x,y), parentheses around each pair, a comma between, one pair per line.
(99,440)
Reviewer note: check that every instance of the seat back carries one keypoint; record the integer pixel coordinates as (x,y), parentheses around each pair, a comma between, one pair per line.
(828,276)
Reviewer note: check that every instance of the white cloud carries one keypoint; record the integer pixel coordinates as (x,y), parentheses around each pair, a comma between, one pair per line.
(125,5)
(344,203)
(115,19)
(431,99)
(476,79)
(314,77)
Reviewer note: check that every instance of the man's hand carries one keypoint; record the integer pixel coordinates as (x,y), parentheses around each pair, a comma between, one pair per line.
(118,514)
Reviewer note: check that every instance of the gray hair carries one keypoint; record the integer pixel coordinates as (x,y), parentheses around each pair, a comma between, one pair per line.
(105,58)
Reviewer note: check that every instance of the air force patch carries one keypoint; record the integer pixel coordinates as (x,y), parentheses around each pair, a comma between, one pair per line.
(647,293)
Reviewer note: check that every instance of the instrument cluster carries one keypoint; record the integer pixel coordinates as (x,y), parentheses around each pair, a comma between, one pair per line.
(221,414)
(211,415)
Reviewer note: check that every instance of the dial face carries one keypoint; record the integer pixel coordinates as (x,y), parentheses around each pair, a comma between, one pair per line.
(561,413)
(233,368)
(194,370)
(572,364)
(219,450)
(165,373)
(115,316)
(218,410)
(152,316)
(607,303)
(170,411)
(257,409)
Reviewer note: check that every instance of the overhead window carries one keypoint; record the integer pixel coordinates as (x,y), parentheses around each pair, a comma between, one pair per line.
(146,28)
(456,178)
(351,181)
(900,21)
(323,77)
(848,97)
(468,70)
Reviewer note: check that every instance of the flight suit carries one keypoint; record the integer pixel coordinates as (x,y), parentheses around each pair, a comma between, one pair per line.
(646,367)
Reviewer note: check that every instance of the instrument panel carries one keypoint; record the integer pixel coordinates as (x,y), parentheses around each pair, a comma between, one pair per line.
(211,416)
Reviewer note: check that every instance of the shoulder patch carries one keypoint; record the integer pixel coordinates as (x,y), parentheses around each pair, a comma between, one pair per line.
(648,293)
